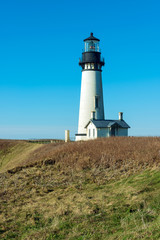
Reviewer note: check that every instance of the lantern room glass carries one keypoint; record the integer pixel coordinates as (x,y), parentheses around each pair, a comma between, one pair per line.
(91,46)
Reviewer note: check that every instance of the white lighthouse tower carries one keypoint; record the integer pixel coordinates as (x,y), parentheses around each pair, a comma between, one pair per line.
(91,100)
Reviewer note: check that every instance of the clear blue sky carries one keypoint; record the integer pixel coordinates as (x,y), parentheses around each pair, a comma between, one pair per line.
(40,46)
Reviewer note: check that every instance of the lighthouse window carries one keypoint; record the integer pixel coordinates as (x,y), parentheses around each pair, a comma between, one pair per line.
(96,102)
(86,66)
(92,65)
(91,46)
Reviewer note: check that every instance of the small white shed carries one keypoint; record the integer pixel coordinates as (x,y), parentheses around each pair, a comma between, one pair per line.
(106,128)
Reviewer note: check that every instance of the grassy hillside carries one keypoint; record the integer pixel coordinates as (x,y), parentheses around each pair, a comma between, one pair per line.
(12,153)
(101,189)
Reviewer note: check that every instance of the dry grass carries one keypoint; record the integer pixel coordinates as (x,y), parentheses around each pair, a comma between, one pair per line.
(14,153)
(102,189)
(122,155)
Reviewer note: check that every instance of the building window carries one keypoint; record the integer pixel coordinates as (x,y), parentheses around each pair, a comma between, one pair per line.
(93,132)
(96,102)
(89,132)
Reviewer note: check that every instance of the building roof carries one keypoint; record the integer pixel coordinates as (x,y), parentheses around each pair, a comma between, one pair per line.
(108,123)
(91,38)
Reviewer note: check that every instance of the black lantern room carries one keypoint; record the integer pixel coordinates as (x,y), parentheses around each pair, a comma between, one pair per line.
(91,55)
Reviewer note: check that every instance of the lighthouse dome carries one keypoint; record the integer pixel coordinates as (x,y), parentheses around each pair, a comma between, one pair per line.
(91,38)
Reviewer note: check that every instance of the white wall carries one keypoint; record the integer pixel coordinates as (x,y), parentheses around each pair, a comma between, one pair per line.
(91,86)
(81,138)
(122,132)
(103,132)
(91,127)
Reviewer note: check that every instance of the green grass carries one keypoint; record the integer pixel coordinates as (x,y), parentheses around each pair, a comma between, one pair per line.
(13,153)
(125,209)
(48,201)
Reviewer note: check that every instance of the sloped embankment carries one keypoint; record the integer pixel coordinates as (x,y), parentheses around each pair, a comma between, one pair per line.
(13,153)
(102,189)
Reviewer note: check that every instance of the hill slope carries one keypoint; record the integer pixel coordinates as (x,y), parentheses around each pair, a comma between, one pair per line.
(102,189)
(12,153)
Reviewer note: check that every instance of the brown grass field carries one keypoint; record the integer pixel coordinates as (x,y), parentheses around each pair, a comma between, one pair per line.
(99,189)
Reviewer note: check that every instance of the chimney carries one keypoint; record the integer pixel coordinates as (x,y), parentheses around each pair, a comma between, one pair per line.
(120,116)
(93,115)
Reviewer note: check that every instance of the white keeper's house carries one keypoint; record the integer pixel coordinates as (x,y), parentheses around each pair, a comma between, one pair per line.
(92,123)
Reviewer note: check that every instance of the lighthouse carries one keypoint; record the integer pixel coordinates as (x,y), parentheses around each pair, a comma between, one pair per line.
(91,98)
(92,123)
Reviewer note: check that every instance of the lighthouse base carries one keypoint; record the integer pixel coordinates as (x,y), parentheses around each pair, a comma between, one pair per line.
(81,137)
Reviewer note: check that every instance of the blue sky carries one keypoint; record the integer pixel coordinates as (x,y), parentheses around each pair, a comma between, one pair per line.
(40,46)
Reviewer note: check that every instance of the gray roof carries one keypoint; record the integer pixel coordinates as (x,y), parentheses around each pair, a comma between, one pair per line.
(108,123)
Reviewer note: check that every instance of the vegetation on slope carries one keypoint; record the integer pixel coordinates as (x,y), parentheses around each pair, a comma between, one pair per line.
(101,189)
(14,152)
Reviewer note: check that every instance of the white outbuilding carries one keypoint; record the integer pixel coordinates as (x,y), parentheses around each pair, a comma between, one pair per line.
(106,128)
